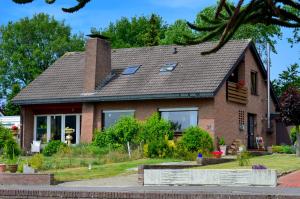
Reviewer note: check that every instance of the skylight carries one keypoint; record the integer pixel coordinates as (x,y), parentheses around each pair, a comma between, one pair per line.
(130,70)
(168,67)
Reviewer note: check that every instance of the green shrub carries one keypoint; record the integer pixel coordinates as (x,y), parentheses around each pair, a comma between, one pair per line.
(277,149)
(52,147)
(222,141)
(244,158)
(124,130)
(195,139)
(11,149)
(36,161)
(181,152)
(283,149)
(100,139)
(5,135)
(8,144)
(293,135)
(155,134)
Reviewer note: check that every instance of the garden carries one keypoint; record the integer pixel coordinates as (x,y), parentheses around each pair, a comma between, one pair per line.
(128,144)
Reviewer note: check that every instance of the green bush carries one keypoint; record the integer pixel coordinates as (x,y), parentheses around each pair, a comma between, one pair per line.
(11,149)
(5,134)
(100,139)
(244,158)
(195,139)
(283,149)
(155,134)
(36,161)
(124,130)
(52,147)
(181,152)
(8,145)
(293,135)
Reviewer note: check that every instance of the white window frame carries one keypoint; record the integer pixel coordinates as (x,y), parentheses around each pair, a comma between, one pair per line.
(63,117)
(181,109)
(115,111)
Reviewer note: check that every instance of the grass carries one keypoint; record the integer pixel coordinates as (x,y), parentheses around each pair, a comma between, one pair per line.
(283,163)
(102,171)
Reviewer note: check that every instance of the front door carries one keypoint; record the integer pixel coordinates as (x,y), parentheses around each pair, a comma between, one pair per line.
(251,139)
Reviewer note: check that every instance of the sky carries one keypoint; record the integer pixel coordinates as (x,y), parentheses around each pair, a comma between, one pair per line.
(99,13)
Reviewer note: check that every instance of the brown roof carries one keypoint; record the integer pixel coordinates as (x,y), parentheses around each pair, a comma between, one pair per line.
(195,75)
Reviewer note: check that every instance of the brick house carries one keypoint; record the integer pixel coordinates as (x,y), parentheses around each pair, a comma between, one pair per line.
(225,92)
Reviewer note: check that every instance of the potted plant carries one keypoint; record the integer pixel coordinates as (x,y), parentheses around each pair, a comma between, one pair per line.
(14,130)
(2,167)
(217,154)
(12,151)
(12,165)
(240,84)
(223,147)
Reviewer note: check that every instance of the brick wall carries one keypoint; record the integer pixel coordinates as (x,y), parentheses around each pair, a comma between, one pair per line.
(26,179)
(137,194)
(227,113)
(29,111)
(144,109)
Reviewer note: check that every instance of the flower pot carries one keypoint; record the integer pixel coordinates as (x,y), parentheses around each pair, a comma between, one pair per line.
(2,168)
(223,149)
(12,168)
(217,155)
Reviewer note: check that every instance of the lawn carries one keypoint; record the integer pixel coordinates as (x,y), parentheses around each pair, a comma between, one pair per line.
(102,171)
(281,162)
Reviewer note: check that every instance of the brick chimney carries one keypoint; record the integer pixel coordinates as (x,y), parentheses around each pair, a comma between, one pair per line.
(97,62)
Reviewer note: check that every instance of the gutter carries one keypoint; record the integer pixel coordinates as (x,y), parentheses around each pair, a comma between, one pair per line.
(115,98)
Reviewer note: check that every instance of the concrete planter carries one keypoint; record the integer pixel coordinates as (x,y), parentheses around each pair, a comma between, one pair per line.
(222,177)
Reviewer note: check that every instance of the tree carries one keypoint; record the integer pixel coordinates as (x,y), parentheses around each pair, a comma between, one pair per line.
(268,12)
(134,32)
(9,107)
(261,34)
(80,4)
(29,46)
(290,111)
(229,18)
(288,78)
(175,32)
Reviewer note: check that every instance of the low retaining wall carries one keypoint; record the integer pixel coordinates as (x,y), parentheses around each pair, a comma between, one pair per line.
(223,177)
(26,179)
(35,192)
(205,161)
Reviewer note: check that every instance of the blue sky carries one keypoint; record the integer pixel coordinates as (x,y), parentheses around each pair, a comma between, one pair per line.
(99,13)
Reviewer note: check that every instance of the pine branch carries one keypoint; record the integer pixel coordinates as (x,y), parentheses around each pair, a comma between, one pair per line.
(81,4)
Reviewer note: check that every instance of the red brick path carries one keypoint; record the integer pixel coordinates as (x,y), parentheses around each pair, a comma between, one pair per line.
(290,180)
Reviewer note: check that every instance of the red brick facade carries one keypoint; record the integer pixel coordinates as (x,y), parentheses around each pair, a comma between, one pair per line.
(216,115)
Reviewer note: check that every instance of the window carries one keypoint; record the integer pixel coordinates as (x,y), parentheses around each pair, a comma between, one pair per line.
(168,67)
(111,117)
(253,83)
(234,77)
(56,128)
(131,70)
(70,122)
(41,129)
(182,118)
(52,127)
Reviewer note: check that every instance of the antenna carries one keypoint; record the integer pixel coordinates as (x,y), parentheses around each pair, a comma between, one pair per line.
(268,84)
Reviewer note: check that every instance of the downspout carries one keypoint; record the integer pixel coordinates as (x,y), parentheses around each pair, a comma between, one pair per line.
(268,84)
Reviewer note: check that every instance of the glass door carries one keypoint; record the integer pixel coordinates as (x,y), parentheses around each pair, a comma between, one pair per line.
(56,130)
(70,122)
